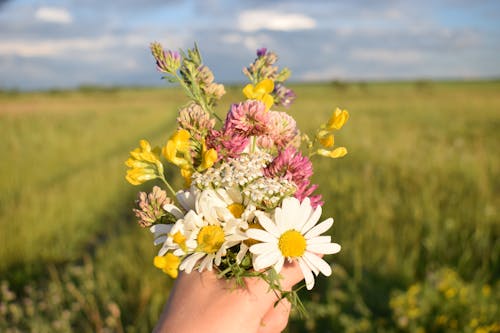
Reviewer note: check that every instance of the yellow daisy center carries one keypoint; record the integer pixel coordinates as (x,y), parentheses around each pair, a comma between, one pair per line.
(179,239)
(236,209)
(292,244)
(210,238)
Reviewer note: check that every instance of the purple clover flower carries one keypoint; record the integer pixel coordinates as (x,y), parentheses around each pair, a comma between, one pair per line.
(261,52)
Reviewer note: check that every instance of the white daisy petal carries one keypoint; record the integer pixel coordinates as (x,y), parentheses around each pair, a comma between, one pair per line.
(329,248)
(188,264)
(241,254)
(312,220)
(206,263)
(279,264)
(161,228)
(264,261)
(308,276)
(304,213)
(160,240)
(319,263)
(319,240)
(174,210)
(319,229)
(309,264)
(261,235)
(163,251)
(268,224)
(261,248)
(178,253)
(187,198)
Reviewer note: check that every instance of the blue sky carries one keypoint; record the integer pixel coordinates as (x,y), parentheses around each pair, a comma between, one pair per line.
(64,44)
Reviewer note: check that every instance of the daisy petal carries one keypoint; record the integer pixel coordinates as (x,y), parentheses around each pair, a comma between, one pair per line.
(313,268)
(172,209)
(268,224)
(261,248)
(160,240)
(206,263)
(266,260)
(188,264)
(312,220)
(308,276)
(241,253)
(319,229)
(261,235)
(330,248)
(161,228)
(163,250)
(319,263)
(320,240)
(279,265)
(186,199)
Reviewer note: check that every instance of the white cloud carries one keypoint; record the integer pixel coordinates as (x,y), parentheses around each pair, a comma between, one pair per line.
(250,42)
(254,20)
(53,15)
(60,47)
(387,56)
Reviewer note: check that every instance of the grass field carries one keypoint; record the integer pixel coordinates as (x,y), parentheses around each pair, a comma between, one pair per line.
(416,207)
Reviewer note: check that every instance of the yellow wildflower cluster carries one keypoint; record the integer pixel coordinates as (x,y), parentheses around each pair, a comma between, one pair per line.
(144,164)
(261,91)
(445,303)
(168,263)
(326,138)
(178,152)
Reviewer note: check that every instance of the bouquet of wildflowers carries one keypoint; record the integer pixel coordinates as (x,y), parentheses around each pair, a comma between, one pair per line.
(248,205)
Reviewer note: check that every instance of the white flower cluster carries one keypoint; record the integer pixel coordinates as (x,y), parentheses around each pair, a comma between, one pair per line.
(234,172)
(268,192)
(246,172)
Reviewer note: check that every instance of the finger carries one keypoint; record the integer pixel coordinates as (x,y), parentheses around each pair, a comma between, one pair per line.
(291,275)
(276,318)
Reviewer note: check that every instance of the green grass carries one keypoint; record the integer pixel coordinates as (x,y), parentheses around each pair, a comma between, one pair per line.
(418,191)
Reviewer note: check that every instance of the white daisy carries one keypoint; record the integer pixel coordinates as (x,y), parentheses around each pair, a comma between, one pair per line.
(293,234)
(207,243)
(160,231)
(208,232)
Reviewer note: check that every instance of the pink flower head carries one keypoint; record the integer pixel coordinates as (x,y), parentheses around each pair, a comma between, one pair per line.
(282,130)
(248,118)
(226,143)
(291,165)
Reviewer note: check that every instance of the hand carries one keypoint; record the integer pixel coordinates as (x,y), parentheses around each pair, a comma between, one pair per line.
(202,303)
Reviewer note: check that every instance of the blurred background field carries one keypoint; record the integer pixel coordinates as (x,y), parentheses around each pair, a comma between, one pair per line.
(416,207)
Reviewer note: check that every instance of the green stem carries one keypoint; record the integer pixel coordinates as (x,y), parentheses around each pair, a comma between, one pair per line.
(162,177)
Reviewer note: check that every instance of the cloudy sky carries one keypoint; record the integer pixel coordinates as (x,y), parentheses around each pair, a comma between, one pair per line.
(64,44)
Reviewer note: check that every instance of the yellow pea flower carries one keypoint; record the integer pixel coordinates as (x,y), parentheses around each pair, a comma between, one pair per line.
(261,92)
(338,119)
(336,153)
(209,157)
(327,141)
(144,164)
(186,174)
(169,264)
(177,149)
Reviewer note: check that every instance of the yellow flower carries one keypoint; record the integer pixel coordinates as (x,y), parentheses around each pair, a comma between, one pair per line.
(209,157)
(177,149)
(168,264)
(261,92)
(144,164)
(336,153)
(338,119)
(327,141)
(186,174)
